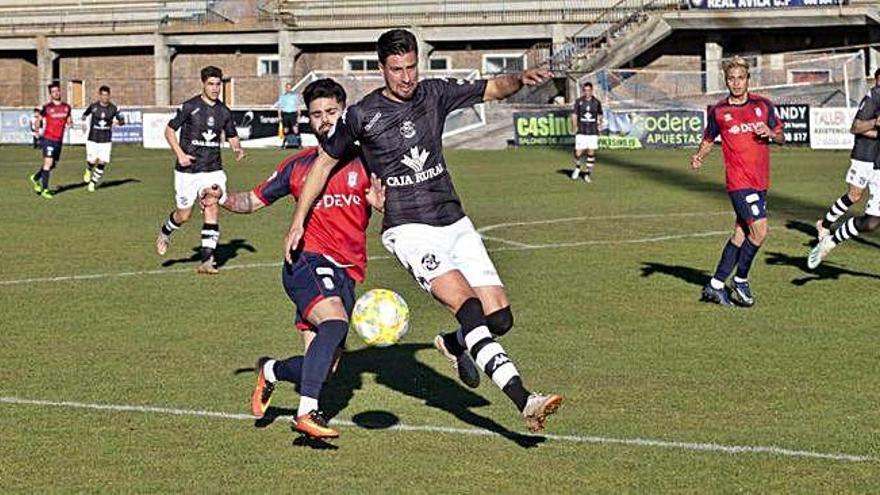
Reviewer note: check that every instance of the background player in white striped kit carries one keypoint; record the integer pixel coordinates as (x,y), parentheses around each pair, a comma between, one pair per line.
(587,118)
(99,143)
(399,128)
(203,120)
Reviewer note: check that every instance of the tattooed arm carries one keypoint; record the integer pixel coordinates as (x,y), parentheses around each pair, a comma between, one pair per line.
(237,202)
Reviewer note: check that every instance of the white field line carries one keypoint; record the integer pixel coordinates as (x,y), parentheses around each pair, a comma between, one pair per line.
(512,246)
(583,439)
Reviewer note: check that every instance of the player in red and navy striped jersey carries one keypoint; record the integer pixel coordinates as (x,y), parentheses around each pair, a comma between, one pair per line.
(747,124)
(320,279)
(55,116)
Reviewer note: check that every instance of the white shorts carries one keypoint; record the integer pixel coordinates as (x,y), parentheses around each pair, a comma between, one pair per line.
(187,187)
(586,142)
(859,173)
(873,206)
(98,151)
(428,252)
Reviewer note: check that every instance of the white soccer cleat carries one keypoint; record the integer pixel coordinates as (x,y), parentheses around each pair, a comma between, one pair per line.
(538,407)
(818,253)
(91,187)
(207,267)
(574,174)
(587,179)
(162,243)
(821,232)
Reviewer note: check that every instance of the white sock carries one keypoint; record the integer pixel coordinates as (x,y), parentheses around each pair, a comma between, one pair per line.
(269,371)
(306,405)
(740,280)
(716,284)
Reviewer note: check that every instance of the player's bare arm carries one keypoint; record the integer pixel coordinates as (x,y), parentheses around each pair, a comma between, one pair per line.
(237,202)
(503,86)
(316,179)
(182,158)
(860,126)
(235,142)
(702,151)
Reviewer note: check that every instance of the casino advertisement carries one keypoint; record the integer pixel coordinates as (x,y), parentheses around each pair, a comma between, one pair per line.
(625,129)
(760,4)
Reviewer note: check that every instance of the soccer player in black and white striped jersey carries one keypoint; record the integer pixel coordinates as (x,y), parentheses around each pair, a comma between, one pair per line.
(864,173)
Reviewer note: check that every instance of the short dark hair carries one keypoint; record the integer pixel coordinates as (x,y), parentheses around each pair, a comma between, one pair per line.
(396,42)
(54,85)
(211,71)
(104,89)
(876,73)
(324,88)
(588,84)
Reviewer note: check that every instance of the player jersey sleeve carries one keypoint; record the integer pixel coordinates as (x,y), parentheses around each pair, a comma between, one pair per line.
(277,185)
(867,107)
(180,117)
(342,136)
(458,93)
(88,111)
(773,122)
(577,107)
(43,111)
(229,126)
(712,127)
(598,109)
(118,116)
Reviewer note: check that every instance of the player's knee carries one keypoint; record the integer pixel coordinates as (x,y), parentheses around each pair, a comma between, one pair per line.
(182,216)
(855,194)
(470,314)
(500,322)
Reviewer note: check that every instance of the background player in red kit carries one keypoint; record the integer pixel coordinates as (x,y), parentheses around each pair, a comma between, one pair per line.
(56,117)
(320,279)
(747,124)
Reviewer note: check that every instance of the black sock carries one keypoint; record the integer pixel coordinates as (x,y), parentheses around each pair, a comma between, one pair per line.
(170,225)
(210,236)
(290,369)
(319,358)
(729,255)
(747,253)
(44,178)
(487,353)
(837,209)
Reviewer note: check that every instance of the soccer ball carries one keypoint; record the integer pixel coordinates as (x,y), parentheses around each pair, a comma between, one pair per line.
(380,317)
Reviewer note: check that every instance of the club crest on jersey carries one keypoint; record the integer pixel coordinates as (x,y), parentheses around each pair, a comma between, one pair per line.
(211,121)
(352,179)
(429,262)
(408,129)
(758,111)
(728,117)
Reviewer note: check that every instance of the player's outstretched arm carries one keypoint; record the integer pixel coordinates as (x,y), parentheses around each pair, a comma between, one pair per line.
(237,202)
(316,179)
(503,86)
(702,151)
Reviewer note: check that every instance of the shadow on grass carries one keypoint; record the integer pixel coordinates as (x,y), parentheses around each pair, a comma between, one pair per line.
(825,271)
(397,368)
(690,275)
(222,254)
(103,185)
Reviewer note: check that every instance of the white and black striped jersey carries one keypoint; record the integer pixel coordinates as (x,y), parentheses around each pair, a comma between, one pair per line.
(202,128)
(402,143)
(101,124)
(867,149)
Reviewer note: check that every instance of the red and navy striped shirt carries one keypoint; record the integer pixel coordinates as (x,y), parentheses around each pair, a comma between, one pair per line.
(337,224)
(55,115)
(746,155)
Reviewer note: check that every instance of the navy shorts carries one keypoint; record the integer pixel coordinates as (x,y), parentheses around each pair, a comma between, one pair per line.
(750,206)
(51,149)
(311,279)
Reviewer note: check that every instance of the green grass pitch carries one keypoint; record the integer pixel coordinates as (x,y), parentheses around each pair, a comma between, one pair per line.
(663,393)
